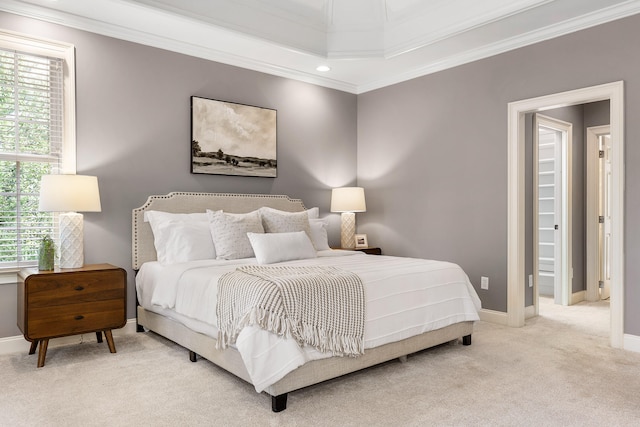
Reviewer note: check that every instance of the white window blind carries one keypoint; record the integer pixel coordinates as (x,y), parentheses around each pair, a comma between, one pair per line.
(31,145)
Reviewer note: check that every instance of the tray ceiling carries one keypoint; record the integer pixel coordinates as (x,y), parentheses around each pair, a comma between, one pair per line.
(368,44)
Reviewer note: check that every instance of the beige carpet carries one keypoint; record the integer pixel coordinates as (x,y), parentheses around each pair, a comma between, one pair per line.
(556,371)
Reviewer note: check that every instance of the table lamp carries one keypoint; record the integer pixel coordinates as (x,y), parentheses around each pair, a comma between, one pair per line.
(70,194)
(348,200)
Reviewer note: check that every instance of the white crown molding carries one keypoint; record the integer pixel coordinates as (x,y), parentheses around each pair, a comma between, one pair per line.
(191,47)
(190,36)
(591,20)
(410,34)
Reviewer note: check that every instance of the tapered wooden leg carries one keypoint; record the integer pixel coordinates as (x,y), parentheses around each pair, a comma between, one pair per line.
(466,340)
(112,345)
(42,354)
(193,356)
(99,336)
(34,345)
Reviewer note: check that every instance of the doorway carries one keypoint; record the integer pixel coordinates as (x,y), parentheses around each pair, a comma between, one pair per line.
(599,171)
(516,203)
(552,196)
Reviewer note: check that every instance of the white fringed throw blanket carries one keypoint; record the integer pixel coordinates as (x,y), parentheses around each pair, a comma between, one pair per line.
(323,307)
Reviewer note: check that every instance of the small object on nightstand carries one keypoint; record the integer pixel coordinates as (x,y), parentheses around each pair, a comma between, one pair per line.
(46,254)
(72,301)
(367,250)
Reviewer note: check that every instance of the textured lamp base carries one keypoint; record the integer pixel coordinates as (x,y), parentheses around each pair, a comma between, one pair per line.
(348,230)
(71,245)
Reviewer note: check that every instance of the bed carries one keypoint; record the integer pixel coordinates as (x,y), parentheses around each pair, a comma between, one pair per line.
(176,290)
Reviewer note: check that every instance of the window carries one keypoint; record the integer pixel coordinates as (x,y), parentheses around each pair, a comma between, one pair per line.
(37,137)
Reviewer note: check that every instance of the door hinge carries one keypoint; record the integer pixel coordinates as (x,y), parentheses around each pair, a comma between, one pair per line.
(601,154)
(600,284)
(601,219)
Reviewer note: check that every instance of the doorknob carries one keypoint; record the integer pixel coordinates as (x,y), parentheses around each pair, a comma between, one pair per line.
(555,227)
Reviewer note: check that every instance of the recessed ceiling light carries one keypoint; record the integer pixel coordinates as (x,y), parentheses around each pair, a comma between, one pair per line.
(323,68)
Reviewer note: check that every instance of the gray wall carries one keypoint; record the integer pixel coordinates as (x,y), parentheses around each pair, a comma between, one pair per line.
(133,132)
(432,153)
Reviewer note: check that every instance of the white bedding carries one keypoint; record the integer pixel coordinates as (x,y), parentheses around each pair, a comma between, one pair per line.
(404,296)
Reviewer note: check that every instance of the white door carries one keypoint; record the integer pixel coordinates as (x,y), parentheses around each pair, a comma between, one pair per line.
(548,211)
(605,213)
(552,211)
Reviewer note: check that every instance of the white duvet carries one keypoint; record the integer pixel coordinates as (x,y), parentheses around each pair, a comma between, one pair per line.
(404,297)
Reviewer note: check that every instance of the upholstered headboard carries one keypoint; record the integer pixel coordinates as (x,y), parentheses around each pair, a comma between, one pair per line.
(142,248)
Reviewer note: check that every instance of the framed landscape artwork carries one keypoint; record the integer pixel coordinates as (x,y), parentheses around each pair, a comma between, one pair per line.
(232,139)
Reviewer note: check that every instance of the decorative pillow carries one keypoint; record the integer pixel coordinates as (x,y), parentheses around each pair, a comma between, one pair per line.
(319,236)
(229,233)
(180,237)
(276,221)
(278,247)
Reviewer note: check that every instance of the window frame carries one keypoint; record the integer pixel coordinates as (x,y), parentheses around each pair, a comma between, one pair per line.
(12,40)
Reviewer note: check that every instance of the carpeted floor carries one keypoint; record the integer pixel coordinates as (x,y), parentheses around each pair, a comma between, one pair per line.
(556,371)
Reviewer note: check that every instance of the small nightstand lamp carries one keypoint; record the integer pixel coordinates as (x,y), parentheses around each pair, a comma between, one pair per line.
(70,194)
(348,200)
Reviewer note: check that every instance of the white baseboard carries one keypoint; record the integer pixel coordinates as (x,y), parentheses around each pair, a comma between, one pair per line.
(529,311)
(493,316)
(577,297)
(631,342)
(18,344)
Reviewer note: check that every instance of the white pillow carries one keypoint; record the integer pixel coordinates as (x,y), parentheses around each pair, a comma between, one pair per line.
(276,221)
(151,216)
(319,236)
(314,213)
(180,237)
(229,233)
(278,247)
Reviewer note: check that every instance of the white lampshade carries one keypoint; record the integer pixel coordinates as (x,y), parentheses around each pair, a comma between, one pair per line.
(70,194)
(348,199)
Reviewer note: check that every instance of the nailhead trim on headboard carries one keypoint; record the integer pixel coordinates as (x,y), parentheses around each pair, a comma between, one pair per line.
(142,248)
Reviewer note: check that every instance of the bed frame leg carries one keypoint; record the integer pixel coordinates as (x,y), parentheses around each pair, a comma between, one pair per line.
(466,340)
(193,356)
(279,403)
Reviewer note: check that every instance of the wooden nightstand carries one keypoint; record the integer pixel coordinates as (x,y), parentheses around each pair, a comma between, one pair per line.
(369,250)
(70,302)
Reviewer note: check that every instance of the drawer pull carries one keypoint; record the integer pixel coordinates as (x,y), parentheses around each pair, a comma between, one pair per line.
(79,317)
(79,288)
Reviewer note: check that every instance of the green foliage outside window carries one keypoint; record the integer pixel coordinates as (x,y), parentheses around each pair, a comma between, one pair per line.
(30,136)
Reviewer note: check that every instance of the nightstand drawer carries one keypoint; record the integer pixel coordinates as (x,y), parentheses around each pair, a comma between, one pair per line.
(74,319)
(71,301)
(63,289)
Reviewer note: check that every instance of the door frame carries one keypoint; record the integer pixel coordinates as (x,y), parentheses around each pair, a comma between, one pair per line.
(563,289)
(614,92)
(592,205)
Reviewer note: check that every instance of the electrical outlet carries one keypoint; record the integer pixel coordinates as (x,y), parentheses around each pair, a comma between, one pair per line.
(531,280)
(484,282)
